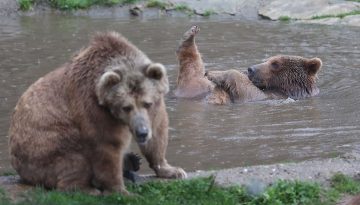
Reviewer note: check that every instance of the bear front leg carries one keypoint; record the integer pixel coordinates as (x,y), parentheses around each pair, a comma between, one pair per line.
(108,169)
(155,148)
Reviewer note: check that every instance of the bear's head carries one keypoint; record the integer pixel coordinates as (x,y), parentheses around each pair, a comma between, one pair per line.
(133,96)
(293,76)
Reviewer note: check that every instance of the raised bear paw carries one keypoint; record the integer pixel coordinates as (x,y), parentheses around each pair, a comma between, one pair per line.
(191,32)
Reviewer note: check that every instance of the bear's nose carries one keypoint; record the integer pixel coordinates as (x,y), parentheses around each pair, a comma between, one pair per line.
(251,70)
(141,134)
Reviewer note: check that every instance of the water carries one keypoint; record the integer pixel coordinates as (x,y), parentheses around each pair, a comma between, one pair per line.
(206,136)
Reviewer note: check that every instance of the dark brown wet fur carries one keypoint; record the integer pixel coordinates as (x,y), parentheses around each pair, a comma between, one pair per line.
(232,86)
(289,76)
(191,82)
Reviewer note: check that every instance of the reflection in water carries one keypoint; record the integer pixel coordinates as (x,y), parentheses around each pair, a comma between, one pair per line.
(206,136)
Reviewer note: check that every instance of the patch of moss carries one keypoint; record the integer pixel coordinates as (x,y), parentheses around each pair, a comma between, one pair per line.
(284,18)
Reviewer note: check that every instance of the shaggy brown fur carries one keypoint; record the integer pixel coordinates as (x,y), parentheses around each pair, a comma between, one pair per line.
(290,76)
(191,82)
(71,128)
(232,86)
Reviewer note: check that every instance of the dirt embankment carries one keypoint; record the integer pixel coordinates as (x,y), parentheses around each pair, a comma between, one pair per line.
(330,12)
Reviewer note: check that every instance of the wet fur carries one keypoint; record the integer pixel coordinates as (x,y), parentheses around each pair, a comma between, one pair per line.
(289,76)
(218,87)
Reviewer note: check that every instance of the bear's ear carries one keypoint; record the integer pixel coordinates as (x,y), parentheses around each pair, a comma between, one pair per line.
(106,81)
(157,72)
(313,65)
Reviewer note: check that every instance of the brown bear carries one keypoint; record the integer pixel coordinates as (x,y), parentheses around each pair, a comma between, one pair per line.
(287,76)
(71,128)
(219,87)
(279,76)
(191,82)
(232,86)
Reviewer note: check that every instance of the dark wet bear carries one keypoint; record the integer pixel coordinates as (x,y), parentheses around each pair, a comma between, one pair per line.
(289,76)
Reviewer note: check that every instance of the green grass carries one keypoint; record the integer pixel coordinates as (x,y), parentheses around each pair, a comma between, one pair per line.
(345,184)
(8,173)
(25,5)
(357,12)
(73,4)
(201,191)
(284,18)
(182,7)
(208,12)
(157,4)
(354,0)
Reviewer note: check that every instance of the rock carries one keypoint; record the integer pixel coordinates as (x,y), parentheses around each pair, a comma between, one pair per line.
(243,8)
(8,7)
(348,20)
(305,9)
(136,10)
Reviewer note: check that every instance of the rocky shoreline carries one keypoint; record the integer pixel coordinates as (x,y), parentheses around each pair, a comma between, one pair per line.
(329,12)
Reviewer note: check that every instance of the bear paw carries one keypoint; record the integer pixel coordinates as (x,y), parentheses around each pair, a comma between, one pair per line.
(170,172)
(191,32)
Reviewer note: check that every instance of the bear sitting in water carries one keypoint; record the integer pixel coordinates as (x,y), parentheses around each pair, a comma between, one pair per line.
(285,76)
(71,128)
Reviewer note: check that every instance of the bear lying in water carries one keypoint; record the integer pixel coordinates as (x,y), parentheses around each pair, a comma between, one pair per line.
(280,76)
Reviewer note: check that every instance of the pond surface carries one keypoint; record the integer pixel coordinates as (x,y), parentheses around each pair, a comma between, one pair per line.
(205,136)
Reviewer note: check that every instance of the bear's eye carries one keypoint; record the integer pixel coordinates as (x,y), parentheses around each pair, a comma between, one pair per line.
(147,105)
(128,108)
(275,65)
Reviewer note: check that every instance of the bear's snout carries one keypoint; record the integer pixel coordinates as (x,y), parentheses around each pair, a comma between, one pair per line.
(141,129)
(251,70)
(142,133)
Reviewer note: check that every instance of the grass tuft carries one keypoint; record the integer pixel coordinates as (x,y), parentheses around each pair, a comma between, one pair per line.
(157,4)
(182,7)
(284,18)
(25,5)
(345,184)
(357,12)
(8,173)
(208,12)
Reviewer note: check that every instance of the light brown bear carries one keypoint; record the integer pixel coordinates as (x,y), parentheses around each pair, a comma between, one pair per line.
(71,128)
(287,76)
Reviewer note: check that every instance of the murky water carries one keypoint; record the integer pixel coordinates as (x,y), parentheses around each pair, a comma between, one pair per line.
(206,136)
